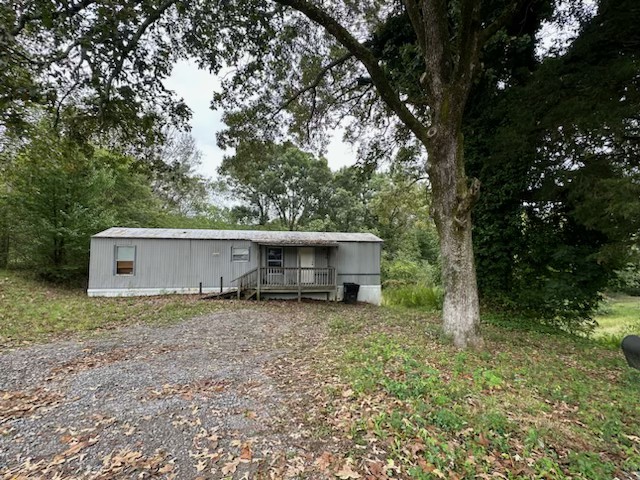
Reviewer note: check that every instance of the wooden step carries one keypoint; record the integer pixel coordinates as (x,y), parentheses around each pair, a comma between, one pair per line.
(228,294)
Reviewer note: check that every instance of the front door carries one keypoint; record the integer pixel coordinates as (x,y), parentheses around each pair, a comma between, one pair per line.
(275,264)
(307,261)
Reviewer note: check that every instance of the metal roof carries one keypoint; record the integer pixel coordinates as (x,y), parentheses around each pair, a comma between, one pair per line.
(257,236)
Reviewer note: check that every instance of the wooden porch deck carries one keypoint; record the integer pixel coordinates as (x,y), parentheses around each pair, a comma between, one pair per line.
(286,280)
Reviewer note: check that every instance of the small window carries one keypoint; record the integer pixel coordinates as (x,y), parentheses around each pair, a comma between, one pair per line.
(239,254)
(274,257)
(125,260)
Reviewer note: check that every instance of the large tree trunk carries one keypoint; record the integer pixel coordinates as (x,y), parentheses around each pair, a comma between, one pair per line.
(453,198)
(451,60)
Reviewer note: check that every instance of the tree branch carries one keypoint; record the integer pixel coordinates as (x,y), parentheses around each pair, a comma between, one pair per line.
(367,58)
(312,86)
(437,54)
(415,17)
(133,43)
(469,30)
(507,15)
(61,55)
(66,13)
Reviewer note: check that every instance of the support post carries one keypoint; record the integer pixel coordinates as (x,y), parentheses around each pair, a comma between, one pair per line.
(299,278)
(200,288)
(259,280)
(221,284)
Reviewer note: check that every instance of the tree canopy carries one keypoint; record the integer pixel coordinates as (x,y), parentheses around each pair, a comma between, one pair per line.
(281,179)
(410,76)
(556,148)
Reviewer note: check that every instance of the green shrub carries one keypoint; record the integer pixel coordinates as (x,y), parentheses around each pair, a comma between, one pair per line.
(402,271)
(627,280)
(414,296)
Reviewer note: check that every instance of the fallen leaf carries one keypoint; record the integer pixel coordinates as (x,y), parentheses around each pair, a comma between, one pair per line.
(346,472)
(378,470)
(166,469)
(429,468)
(245,453)
(79,446)
(633,438)
(417,447)
(323,461)
(230,467)
(482,440)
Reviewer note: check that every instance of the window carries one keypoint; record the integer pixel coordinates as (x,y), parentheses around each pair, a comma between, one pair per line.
(274,257)
(239,254)
(125,260)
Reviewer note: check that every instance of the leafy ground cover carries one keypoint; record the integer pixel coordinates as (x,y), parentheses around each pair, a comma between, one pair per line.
(31,310)
(532,405)
(378,393)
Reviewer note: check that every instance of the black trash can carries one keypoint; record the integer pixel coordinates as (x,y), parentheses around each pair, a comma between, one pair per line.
(350,292)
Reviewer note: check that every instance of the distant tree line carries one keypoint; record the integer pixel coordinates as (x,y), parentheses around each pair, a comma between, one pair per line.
(57,190)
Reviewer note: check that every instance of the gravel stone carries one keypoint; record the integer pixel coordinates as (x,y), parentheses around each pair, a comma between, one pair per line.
(149,389)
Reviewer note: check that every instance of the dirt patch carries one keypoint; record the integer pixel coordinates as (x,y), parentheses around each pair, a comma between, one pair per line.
(211,397)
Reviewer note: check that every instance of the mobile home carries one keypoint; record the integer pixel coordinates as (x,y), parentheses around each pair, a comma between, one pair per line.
(261,264)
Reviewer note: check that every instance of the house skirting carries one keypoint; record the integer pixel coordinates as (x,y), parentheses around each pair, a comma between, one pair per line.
(141,292)
(366,293)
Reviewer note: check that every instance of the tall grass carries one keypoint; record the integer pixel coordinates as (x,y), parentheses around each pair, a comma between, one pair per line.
(617,317)
(413,296)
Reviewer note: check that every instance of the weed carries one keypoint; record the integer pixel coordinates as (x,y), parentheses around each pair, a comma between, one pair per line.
(414,296)
(342,326)
(545,405)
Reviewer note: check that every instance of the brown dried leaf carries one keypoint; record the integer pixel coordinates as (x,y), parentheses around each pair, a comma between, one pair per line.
(347,393)
(245,453)
(323,461)
(230,467)
(346,472)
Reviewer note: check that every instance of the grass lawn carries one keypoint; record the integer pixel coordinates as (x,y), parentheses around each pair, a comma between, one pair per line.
(619,316)
(31,310)
(531,405)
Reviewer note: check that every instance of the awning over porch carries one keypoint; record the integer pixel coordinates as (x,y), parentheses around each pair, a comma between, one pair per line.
(318,243)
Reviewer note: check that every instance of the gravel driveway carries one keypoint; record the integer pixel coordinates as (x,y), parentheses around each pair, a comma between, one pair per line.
(202,398)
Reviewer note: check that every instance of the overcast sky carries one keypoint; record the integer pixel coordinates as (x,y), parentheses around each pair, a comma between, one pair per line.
(196,88)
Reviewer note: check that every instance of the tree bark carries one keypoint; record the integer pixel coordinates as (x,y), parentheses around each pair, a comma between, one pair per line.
(450,69)
(453,199)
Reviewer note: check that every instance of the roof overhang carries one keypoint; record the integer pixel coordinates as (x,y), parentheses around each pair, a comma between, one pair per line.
(298,244)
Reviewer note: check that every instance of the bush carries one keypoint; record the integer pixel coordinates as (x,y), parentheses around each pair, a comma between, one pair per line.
(400,272)
(627,280)
(414,296)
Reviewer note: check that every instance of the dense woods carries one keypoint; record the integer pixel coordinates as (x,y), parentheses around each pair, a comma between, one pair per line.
(472,119)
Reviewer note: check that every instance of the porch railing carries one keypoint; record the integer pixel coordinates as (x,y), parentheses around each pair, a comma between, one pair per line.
(297,276)
(287,277)
(247,281)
